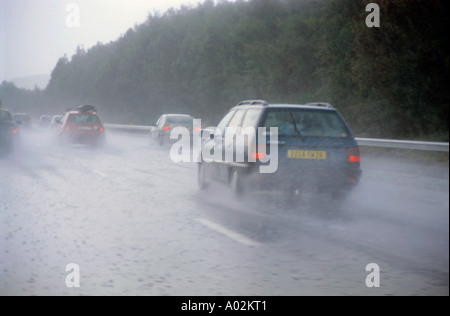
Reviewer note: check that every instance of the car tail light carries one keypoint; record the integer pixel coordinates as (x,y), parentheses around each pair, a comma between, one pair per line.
(13,130)
(67,128)
(166,128)
(257,152)
(101,129)
(353,155)
(258,155)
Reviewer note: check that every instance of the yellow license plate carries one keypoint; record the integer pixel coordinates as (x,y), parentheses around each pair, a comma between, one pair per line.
(307,154)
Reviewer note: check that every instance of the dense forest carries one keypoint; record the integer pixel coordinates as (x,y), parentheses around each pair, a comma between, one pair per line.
(389,81)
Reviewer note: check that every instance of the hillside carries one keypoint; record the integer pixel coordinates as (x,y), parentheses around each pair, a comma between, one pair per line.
(390,81)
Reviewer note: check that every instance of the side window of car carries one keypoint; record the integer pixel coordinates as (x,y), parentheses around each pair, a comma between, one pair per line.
(251,118)
(233,127)
(224,122)
(237,119)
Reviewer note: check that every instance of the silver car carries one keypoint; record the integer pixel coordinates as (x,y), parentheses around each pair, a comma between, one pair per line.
(166,123)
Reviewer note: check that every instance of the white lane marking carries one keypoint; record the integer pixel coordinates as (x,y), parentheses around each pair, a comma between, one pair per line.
(229,233)
(101,174)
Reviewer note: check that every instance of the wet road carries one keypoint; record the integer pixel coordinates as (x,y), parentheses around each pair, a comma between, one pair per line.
(135,224)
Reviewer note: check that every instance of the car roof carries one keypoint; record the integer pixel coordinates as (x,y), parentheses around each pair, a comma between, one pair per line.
(84,113)
(313,106)
(177,115)
(300,106)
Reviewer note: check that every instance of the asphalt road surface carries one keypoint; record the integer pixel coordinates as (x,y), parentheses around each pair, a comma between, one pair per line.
(134,223)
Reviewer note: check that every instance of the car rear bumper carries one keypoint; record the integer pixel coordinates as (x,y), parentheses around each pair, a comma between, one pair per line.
(308,180)
(82,138)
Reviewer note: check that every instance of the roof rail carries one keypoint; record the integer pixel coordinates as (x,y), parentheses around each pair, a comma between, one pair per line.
(254,102)
(321,104)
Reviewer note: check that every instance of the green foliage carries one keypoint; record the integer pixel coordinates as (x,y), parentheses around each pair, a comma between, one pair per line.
(390,81)
(19,100)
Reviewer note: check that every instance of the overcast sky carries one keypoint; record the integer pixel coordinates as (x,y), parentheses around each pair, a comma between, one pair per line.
(34,34)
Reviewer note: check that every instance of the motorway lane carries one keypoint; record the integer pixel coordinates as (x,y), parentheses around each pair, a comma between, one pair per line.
(136,224)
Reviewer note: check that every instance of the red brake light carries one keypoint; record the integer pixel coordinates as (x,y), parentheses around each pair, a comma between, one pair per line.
(258,156)
(257,151)
(13,130)
(67,128)
(353,155)
(165,128)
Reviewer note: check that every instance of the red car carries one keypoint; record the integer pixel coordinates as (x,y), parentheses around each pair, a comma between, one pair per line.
(82,126)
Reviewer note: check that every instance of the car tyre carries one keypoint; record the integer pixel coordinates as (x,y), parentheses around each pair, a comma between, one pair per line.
(236,184)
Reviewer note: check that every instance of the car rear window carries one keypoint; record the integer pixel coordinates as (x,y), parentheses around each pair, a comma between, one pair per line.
(180,120)
(307,123)
(83,119)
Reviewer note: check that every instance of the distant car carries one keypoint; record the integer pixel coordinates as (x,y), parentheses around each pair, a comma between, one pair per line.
(23,119)
(82,126)
(55,122)
(45,121)
(316,150)
(166,123)
(9,132)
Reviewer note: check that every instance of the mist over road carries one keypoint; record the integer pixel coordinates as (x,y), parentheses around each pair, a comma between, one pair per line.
(136,224)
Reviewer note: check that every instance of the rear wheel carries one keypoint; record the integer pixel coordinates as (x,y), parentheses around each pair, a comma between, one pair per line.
(236,184)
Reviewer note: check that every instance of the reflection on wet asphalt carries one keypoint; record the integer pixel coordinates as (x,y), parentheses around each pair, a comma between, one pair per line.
(136,224)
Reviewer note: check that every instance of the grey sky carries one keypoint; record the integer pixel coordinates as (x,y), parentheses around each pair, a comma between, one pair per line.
(34,34)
